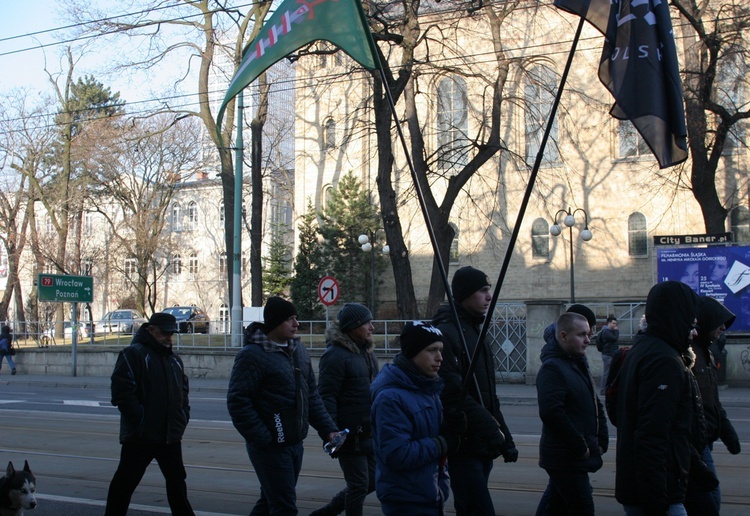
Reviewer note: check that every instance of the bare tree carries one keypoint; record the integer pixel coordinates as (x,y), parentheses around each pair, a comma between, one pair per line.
(716,58)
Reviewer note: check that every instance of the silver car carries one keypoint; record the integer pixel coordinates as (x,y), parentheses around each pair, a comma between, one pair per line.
(121,321)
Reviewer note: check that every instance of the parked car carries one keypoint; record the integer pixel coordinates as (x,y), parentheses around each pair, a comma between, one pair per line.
(84,330)
(121,321)
(190,319)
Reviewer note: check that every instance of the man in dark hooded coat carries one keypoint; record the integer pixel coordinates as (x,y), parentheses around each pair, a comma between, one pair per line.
(655,410)
(713,319)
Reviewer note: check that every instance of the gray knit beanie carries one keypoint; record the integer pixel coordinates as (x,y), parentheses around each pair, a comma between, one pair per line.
(353,315)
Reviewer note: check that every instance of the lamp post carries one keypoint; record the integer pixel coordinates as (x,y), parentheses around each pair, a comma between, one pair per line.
(586,235)
(367,241)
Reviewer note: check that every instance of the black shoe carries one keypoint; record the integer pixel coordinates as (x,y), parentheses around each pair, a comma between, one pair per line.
(326,510)
(13,371)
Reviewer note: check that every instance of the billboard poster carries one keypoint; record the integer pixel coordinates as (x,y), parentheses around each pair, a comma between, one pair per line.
(719,272)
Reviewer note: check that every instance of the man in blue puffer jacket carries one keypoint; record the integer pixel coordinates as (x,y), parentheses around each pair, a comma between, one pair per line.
(574,431)
(409,435)
(272,399)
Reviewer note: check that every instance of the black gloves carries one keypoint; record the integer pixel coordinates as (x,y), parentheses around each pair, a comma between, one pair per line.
(729,438)
(510,454)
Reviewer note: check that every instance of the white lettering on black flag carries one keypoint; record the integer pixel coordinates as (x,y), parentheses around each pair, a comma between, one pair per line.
(639,67)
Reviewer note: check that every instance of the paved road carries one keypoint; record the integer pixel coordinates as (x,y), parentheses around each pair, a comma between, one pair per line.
(67,430)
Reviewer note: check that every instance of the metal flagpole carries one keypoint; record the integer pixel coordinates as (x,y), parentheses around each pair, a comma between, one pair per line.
(237,245)
(526,198)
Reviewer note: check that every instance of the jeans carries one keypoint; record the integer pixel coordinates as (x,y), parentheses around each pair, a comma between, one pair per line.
(134,459)
(10,362)
(568,492)
(277,468)
(676,509)
(469,477)
(359,473)
(606,362)
(704,503)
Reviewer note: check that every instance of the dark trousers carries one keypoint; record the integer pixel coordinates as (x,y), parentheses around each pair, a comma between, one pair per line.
(359,473)
(134,459)
(469,477)
(277,468)
(567,493)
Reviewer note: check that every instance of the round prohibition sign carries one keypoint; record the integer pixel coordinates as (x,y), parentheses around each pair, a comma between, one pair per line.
(328,290)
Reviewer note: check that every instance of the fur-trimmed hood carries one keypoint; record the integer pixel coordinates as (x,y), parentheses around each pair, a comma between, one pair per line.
(335,337)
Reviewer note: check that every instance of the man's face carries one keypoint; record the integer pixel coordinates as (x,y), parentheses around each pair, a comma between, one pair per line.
(429,359)
(362,334)
(718,269)
(479,301)
(284,331)
(162,337)
(612,325)
(577,339)
(717,333)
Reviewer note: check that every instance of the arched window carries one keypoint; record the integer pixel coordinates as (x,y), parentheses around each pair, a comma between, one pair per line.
(131,269)
(192,215)
(739,219)
(224,318)
(176,217)
(452,124)
(176,265)
(540,238)
(637,235)
(329,134)
(193,266)
(539,93)
(223,263)
(221,211)
(454,254)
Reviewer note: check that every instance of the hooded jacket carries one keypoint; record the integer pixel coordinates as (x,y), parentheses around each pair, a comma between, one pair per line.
(573,420)
(262,388)
(655,404)
(711,315)
(150,389)
(406,418)
(485,418)
(346,371)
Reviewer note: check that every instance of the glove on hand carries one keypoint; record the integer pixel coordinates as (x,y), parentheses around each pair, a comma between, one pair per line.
(510,454)
(730,439)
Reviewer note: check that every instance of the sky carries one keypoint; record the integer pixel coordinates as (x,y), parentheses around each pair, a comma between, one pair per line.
(30,32)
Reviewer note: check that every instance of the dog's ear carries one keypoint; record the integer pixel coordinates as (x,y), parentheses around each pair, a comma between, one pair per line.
(10,471)
(26,467)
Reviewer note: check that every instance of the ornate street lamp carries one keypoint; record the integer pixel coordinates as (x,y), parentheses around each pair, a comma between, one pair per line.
(367,240)
(586,235)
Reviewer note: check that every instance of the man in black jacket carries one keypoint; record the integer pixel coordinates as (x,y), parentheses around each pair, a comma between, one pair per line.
(574,428)
(713,320)
(609,337)
(273,399)
(347,368)
(487,436)
(150,389)
(655,407)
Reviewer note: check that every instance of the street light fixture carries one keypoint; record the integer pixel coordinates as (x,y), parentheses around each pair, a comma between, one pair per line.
(366,240)
(586,235)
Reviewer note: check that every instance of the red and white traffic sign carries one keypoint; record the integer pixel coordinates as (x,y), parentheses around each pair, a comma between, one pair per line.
(328,290)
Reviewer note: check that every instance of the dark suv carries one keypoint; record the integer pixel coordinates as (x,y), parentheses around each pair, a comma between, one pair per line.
(190,319)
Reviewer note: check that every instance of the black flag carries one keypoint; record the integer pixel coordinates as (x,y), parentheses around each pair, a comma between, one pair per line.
(639,67)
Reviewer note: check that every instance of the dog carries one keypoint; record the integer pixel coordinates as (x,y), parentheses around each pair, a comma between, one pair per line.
(17,491)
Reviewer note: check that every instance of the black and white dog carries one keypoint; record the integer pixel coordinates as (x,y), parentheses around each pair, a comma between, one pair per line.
(17,490)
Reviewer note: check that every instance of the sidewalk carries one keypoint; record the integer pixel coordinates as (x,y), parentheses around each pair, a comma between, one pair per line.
(509,393)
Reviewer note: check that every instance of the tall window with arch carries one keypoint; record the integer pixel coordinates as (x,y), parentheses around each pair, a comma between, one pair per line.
(729,91)
(131,268)
(454,253)
(452,124)
(87,266)
(539,94)
(176,264)
(193,266)
(192,213)
(223,263)
(637,235)
(540,238)
(176,217)
(630,144)
(224,318)
(329,134)
(739,220)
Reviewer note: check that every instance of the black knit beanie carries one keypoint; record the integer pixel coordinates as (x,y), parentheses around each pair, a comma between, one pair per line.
(586,312)
(466,281)
(277,311)
(416,336)
(353,315)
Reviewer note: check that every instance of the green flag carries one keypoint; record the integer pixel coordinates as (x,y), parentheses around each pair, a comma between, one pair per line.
(296,23)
